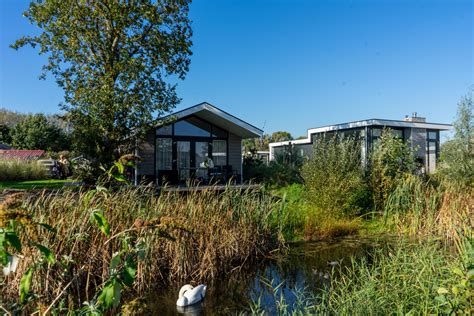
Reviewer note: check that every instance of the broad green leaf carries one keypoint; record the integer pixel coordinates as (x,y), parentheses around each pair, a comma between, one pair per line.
(115,260)
(101,222)
(13,240)
(442,290)
(120,167)
(458,272)
(129,272)
(110,294)
(25,283)
(48,254)
(107,294)
(455,290)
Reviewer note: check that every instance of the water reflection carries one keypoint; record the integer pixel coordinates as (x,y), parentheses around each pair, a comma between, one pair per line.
(306,265)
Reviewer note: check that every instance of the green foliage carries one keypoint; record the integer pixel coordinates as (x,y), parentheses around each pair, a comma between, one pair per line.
(111,59)
(98,218)
(274,174)
(36,132)
(10,118)
(457,155)
(83,170)
(280,136)
(5,137)
(390,161)
(25,283)
(20,170)
(334,177)
(254,144)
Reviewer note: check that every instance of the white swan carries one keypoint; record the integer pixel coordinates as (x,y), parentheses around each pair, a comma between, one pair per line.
(189,295)
(11,265)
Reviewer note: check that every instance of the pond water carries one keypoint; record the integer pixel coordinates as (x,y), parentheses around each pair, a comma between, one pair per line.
(305,265)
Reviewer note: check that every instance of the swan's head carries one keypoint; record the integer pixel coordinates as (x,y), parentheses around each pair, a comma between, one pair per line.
(185,288)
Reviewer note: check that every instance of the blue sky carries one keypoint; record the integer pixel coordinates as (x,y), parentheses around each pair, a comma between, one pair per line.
(293,65)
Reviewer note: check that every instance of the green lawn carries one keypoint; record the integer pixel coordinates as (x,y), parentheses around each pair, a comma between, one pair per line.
(35,184)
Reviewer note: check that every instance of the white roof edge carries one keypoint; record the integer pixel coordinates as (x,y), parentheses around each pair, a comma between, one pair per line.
(388,123)
(370,122)
(209,107)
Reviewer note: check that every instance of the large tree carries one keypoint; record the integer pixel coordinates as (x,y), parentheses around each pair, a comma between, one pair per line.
(112,58)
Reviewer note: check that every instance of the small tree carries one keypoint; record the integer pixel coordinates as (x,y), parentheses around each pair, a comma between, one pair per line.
(457,154)
(390,160)
(36,132)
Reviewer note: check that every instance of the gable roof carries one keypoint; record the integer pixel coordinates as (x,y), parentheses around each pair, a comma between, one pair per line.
(21,154)
(220,118)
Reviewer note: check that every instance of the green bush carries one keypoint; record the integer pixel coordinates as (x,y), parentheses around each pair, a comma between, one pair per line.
(278,173)
(335,178)
(21,170)
(390,161)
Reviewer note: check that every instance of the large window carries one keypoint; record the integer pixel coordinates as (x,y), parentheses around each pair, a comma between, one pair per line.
(184,147)
(164,154)
(432,139)
(192,127)
(219,152)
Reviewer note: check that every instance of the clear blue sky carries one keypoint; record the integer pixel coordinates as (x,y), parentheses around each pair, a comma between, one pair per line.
(293,65)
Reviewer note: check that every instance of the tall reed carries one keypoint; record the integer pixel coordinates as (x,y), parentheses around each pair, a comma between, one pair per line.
(20,170)
(189,237)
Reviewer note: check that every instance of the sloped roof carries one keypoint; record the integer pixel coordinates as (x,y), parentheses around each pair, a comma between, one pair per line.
(20,154)
(220,118)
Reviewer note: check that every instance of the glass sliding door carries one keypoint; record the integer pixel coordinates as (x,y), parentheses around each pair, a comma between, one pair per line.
(219,152)
(183,159)
(200,160)
(164,154)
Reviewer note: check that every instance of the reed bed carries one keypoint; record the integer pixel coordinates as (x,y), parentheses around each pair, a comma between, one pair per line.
(419,208)
(193,237)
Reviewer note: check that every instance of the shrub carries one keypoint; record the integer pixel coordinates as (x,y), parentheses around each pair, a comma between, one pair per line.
(21,170)
(390,161)
(334,177)
(279,172)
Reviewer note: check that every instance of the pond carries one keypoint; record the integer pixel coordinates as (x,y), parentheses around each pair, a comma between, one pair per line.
(304,265)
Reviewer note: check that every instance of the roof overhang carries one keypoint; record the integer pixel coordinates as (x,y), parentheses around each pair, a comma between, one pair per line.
(220,118)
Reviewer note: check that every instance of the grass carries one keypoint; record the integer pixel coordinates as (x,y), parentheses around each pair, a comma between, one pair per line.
(34,184)
(299,219)
(21,170)
(404,279)
(194,237)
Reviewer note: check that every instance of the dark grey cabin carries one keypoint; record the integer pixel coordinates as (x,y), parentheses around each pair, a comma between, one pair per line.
(423,137)
(201,143)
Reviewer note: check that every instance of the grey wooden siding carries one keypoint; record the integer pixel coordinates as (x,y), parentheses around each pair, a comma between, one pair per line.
(235,153)
(146,151)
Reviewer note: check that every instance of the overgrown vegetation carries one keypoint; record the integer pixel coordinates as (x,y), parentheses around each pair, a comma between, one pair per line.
(197,236)
(21,170)
(335,178)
